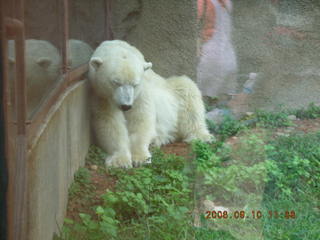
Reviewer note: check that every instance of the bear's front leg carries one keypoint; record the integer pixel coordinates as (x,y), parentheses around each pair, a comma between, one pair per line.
(112,136)
(140,148)
(141,127)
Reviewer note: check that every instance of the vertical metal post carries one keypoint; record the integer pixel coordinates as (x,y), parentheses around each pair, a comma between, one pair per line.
(20,182)
(17,198)
(65,37)
(108,21)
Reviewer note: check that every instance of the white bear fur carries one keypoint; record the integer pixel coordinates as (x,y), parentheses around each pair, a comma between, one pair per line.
(43,68)
(217,68)
(163,110)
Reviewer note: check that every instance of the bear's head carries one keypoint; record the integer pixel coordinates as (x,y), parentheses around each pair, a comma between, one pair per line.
(116,72)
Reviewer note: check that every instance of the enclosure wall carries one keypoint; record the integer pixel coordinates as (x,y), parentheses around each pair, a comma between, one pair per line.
(164,31)
(279,40)
(58,153)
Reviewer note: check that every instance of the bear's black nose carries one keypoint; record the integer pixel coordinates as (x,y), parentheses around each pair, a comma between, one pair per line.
(125,107)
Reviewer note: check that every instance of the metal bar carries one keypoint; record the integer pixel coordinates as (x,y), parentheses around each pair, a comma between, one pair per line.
(77,74)
(9,127)
(20,182)
(18,227)
(70,77)
(20,90)
(65,37)
(14,29)
(108,20)
(21,185)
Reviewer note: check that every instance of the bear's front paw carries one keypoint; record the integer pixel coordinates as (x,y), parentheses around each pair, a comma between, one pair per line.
(139,158)
(119,160)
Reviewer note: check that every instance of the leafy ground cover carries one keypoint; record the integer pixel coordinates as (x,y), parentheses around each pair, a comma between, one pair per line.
(264,176)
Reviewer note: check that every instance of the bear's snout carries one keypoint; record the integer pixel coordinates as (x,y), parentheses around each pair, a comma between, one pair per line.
(124,97)
(125,107)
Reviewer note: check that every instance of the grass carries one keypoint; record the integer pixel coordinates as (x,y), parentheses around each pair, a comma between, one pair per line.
(310,112)
(82,185)
(259,173)
(273,120)
(304,226)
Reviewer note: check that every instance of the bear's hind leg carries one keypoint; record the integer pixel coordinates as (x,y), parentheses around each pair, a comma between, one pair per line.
(191,117)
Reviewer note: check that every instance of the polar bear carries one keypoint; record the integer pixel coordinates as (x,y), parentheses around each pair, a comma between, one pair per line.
(43,67)
(134,107)
(217,68)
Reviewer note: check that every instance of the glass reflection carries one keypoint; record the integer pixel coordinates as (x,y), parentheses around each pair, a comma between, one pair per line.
(43,49)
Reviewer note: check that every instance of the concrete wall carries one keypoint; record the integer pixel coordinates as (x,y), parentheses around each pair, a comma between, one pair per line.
(58,153)
(164,30)
(166,33)
(288,63)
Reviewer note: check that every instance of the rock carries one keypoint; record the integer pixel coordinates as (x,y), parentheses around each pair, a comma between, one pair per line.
(94,167)
(217,115)
(281,134)
(250,122)
(248,114)
(292,117)
(289,129)
(210,206)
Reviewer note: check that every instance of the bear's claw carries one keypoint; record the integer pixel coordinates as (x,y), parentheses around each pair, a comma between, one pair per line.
(139,159)
(118,161)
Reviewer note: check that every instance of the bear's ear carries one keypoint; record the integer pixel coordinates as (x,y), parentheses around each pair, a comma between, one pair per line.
(44,62)
(96,62)
(147,65)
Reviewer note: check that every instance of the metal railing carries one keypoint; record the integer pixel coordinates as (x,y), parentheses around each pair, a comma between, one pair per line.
(20,131)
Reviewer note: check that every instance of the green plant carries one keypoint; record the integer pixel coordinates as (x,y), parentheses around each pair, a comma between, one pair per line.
(273,119)
(95,156)
(228,127)
(157,194)
(146,200)
(102,226)
(81,183)
(303,226)
(233,180)
(211,125)
(294,165)
(157,201)
(205,233)
(311,112)
(207,107)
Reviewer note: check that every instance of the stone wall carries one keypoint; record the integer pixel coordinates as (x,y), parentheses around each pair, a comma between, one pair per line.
(165,31)
(280,41)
